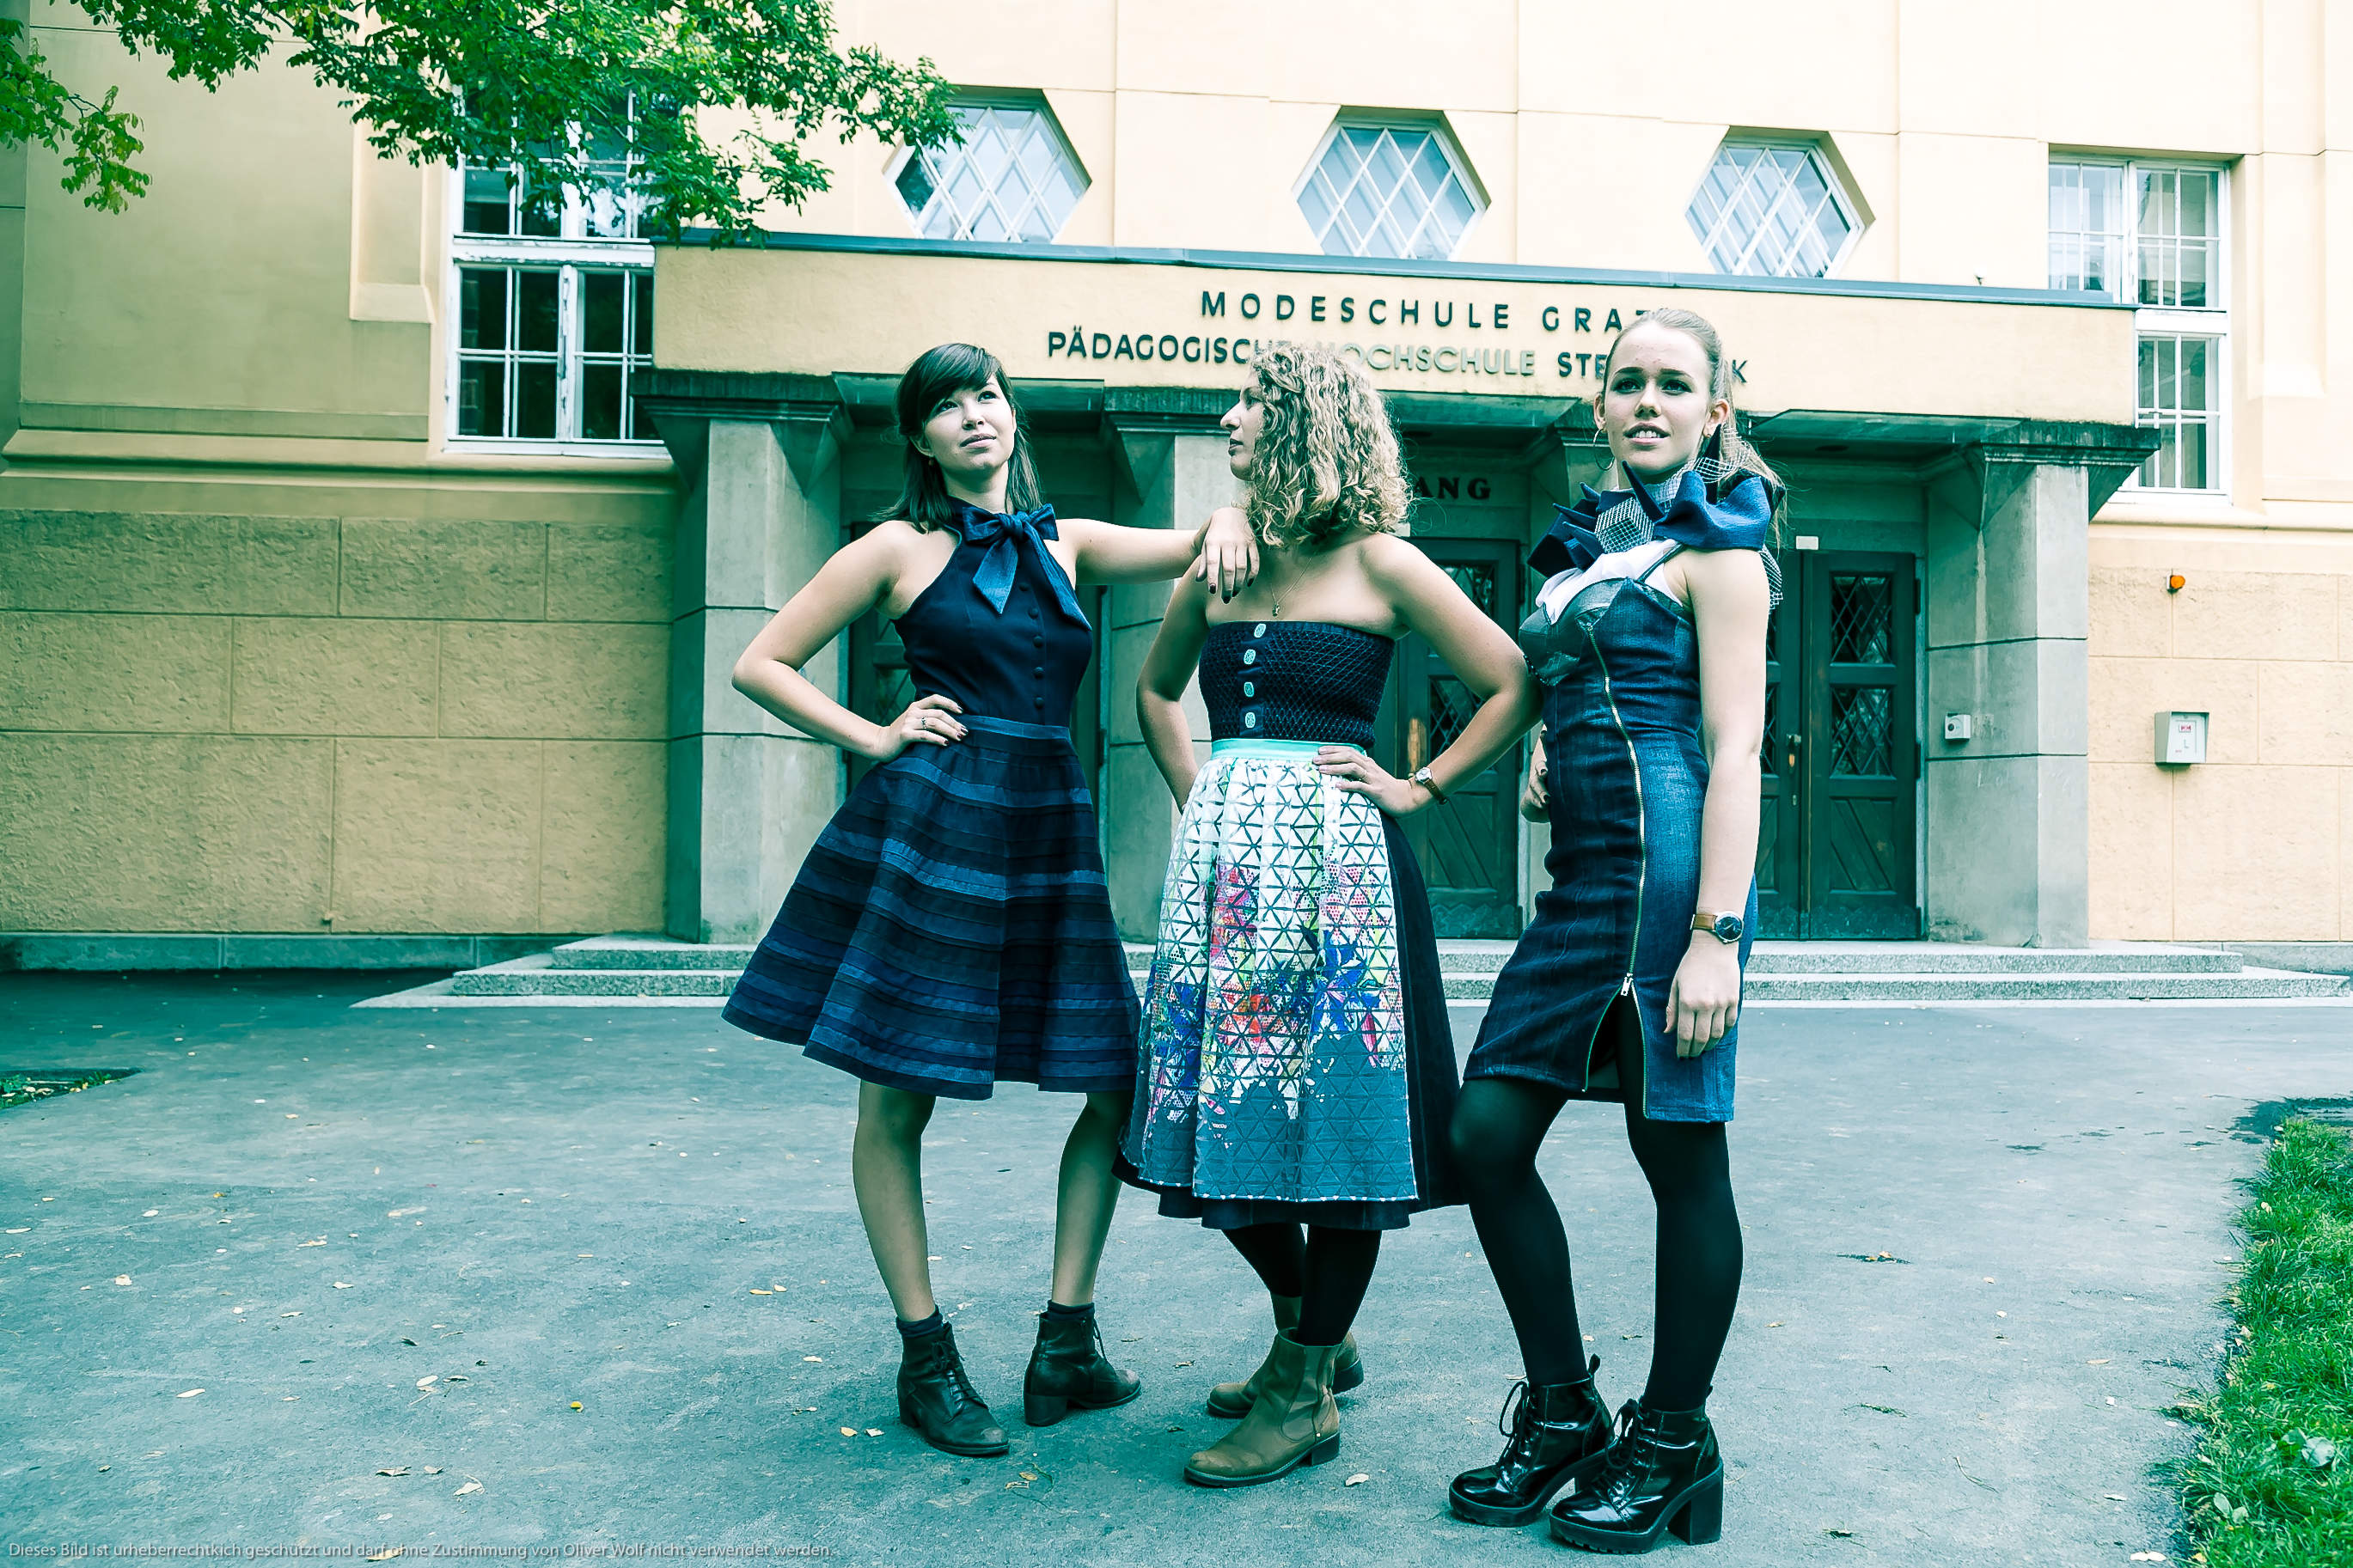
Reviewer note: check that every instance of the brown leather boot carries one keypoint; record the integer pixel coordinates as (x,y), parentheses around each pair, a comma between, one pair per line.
(1292,1422)
(1231,1401)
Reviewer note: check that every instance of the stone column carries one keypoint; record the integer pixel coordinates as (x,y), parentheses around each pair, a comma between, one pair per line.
(2009,810)
(748,795)
(2009,618)
(1172,456)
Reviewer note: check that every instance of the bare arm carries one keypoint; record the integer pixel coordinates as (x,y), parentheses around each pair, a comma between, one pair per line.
(860,576)
(1223,551)
(1730,603)
(1160,689)
(1482,655)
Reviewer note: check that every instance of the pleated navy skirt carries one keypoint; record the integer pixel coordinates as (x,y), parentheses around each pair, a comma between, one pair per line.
(952,930)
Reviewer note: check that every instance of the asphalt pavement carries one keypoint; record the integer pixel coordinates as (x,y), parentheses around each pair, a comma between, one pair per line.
(326,1282)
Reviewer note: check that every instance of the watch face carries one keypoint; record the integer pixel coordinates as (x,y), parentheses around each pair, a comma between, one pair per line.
(1727,928)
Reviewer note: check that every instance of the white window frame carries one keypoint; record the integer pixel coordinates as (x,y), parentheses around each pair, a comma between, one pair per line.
(1841,198)
(569,255)
(897,164)
(1437,130)
(2211,321)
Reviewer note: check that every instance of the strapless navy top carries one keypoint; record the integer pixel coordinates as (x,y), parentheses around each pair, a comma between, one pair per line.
(1293,680)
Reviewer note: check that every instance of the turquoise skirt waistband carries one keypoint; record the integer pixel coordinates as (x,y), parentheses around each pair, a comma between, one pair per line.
(1242,746)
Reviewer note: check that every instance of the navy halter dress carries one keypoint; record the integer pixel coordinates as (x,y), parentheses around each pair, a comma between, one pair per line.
(951,927)
(1625,777)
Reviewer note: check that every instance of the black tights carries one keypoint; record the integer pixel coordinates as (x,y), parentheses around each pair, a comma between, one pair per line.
(1328,1269)
(1499,1126)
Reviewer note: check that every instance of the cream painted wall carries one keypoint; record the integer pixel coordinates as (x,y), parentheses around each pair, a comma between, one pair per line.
(256,720)
(2257,842)
(188,368)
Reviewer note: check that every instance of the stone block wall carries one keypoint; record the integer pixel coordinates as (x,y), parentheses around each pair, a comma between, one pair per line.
(332,724)
(2256,843)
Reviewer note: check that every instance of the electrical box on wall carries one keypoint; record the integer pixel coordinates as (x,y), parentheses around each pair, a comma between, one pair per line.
(2181,739)
(1959,726)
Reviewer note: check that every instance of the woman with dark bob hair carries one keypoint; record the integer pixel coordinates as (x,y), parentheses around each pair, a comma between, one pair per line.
(950,929)
(1297,1065)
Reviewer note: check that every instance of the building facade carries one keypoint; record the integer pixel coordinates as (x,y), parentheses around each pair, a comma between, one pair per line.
(375,542)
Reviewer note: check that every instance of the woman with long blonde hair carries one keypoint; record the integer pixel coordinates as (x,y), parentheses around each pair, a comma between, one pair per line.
(1296,1066)
(1649,640)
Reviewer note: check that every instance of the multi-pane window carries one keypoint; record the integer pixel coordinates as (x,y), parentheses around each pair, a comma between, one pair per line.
(1388,189)
(2177,396)
(1009,176)
(1771,209)
(2150,234)
(552,310)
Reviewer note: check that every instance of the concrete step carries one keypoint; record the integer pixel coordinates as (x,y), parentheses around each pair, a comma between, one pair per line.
(1923,974)
(649,953)
(1967,958)
(2247,984)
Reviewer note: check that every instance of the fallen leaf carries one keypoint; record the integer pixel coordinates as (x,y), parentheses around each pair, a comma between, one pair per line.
(1360,1478)
(2114,1497)
(409,1342)
(123,1280)
(190,1393)
(1772,1325)
(764,1292)
(849,1431)
(341,1286)
(401,1470)
(1838,1534)
(2320,1453)
(320,1242)
(575,1404)
(387,1555)
(432,1469)
(2101,1361)
(151,1213)
(1184,1363)
(289,1314)
(468,1487)
(427,1381)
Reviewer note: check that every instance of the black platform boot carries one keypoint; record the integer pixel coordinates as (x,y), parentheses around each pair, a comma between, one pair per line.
(1068,1370)
(1662,1473)
(1556,1432)
(937,1399)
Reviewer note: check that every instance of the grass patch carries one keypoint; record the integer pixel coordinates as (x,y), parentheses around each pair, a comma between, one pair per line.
(25,1088)
(2270,1484)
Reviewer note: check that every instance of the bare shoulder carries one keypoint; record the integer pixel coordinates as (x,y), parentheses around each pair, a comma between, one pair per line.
(1391,560)
(1724,570)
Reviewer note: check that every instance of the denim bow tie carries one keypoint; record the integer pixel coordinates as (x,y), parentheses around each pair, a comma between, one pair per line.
(994,578)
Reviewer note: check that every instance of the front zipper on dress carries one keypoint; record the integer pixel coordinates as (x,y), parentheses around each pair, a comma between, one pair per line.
(1642,884)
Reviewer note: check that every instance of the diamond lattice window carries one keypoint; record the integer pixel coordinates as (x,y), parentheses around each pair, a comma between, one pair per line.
(1010,176)
(1388,189)
(1772,210)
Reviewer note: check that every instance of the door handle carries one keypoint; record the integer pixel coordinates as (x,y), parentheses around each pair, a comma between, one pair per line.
(1796,744)
(1417,742)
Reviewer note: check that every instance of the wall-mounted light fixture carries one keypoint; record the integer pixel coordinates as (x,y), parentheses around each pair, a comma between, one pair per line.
(2175,584)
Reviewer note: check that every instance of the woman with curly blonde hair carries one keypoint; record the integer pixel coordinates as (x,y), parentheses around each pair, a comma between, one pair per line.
(1296,1066)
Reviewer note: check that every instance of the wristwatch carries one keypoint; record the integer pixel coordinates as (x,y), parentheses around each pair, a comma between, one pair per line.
(1725,929)
(1421,776)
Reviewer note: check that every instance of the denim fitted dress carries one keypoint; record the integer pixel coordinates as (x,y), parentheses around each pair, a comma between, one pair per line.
(1627,776)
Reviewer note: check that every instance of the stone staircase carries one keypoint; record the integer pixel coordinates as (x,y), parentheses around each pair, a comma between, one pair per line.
(654,971)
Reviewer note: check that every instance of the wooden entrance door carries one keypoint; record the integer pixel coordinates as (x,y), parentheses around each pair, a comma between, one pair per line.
(1469,847)
(1841,759)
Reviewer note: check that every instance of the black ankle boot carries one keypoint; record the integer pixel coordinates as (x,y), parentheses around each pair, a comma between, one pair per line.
(1068,1370)
(1662,1473)
(1555,1432)
(937,1399)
